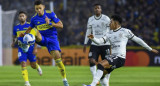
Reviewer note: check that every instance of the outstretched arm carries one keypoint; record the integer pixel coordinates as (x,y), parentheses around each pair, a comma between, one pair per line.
(98,41)
(143,44)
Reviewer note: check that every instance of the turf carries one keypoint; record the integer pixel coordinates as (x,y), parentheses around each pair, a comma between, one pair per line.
(77,75)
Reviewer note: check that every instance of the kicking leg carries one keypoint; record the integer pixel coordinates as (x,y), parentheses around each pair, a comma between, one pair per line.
(37,34)
(101,66)
(105,78)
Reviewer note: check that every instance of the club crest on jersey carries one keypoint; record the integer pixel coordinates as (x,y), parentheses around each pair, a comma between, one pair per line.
(103,24)
(38,22)
(120,35)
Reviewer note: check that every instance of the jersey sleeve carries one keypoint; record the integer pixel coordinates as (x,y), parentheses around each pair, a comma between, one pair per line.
(141,42)
(129,34)
(32,25)
(14,31)
(54,17)
(89,30)
(108,21)
(99,41)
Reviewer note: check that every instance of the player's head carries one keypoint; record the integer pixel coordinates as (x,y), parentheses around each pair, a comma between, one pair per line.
(97,9)
(115,22)
(39,7)
(22,16)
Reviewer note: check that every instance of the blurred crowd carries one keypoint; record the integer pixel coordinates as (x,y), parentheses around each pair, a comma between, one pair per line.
(140,16)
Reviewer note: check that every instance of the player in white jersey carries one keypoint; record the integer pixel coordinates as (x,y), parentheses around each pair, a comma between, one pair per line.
(98,25)
(118,39)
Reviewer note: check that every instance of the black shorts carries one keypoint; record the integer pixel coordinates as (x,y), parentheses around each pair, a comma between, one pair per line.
(95,51)
(115,62)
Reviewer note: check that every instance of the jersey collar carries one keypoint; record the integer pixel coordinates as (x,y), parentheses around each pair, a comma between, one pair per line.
(97,18)
(43,14)
(117,29)
(23,24)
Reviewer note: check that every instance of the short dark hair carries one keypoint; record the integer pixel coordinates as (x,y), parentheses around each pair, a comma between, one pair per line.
(38,2)
(97,4)
(22,12)
(117,18)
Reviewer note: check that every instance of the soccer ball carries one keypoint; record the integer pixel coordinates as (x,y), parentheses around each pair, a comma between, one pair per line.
(29,39)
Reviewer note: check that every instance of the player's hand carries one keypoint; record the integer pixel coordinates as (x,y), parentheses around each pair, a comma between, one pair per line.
(21,35)
(35,51)
(12,45)
(90,36)
(84,49)
(47,20)
(155,51)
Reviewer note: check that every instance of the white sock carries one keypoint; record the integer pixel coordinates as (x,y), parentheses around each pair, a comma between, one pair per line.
(105,80)
(27,82)
(64,79)
(39,70)
(97,77)
(93,70)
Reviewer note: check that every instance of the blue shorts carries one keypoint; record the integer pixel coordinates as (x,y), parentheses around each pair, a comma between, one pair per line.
(51,43)
(22,56)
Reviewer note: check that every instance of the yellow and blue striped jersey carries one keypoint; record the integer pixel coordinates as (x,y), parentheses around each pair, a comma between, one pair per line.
(40,23)
(18,29)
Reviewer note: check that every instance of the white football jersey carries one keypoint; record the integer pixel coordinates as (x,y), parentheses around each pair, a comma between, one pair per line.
(98,26)
(118,40)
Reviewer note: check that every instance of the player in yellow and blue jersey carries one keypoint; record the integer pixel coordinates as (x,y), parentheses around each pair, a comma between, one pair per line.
(25,51)
(47,23)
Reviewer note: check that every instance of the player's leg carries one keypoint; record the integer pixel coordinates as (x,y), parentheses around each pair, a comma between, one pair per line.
(109,64)
(35,65)
(57,57)
(105,78)
(99,73)
(93,57)
(105,51)
(100,68)
(37,34)
(32,58)
(23,59)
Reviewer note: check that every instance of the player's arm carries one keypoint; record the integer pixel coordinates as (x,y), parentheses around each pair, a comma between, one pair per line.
(98,40)
(139,41)
(57,22)
(35,49)
(14,41)
(58,25)
(32,25)
(143,44)
(89,29)
(28,30)
(86,39)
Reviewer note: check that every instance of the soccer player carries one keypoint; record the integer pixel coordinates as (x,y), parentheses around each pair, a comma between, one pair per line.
(118,39)
(98,25)
(47,24)
(25,51)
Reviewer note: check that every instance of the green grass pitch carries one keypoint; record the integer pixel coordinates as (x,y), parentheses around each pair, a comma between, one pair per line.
(77,75)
